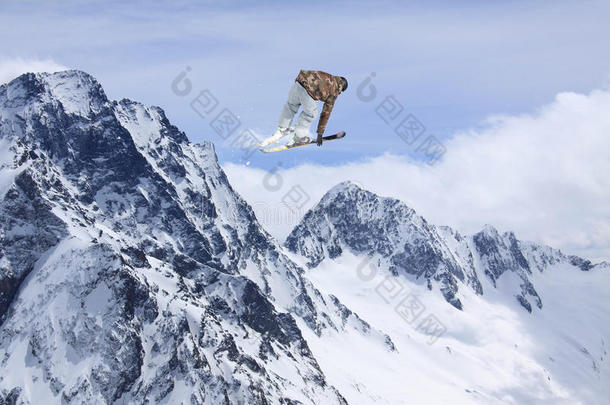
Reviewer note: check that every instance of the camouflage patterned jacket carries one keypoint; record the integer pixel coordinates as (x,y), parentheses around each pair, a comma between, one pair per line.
(321,86)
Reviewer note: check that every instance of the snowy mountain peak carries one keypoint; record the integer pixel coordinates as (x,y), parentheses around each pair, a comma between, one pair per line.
(490,230)
(364,223)
(352,194)
(78,92)
(350,218)
(123,246)
(345,187)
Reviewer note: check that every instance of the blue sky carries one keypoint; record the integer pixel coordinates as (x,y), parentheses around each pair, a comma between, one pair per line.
(517,92)
(450,63)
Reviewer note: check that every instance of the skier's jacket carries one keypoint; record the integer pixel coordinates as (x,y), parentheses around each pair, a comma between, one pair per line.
(321,86)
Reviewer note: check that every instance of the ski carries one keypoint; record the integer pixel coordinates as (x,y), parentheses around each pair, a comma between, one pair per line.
(332,137)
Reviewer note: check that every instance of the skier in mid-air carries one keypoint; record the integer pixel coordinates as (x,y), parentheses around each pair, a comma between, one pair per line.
(309,87)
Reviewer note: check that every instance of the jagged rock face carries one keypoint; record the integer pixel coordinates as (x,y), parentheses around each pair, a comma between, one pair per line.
(353,218)
(349,217)
(499,254)
(29,228)
(131,272)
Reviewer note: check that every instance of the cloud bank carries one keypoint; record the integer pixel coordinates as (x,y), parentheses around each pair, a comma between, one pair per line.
(12,68)
(545,175)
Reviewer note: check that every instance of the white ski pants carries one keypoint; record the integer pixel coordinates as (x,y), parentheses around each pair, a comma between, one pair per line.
(298,97)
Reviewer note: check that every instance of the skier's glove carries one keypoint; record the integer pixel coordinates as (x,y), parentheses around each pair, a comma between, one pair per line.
(319,140)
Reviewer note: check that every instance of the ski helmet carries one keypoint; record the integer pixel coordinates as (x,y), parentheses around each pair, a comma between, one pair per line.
(344,83)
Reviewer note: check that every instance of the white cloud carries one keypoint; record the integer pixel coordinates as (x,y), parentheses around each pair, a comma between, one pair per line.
(546,176)
(12,68)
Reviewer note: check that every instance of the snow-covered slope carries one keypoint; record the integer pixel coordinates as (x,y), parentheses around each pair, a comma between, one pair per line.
(526,325)
(131,272)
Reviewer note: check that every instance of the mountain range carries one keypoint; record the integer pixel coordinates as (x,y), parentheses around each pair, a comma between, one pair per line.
(132,272)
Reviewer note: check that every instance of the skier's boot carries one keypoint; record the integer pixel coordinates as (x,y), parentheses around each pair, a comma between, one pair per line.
(277,135)
(295,140)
